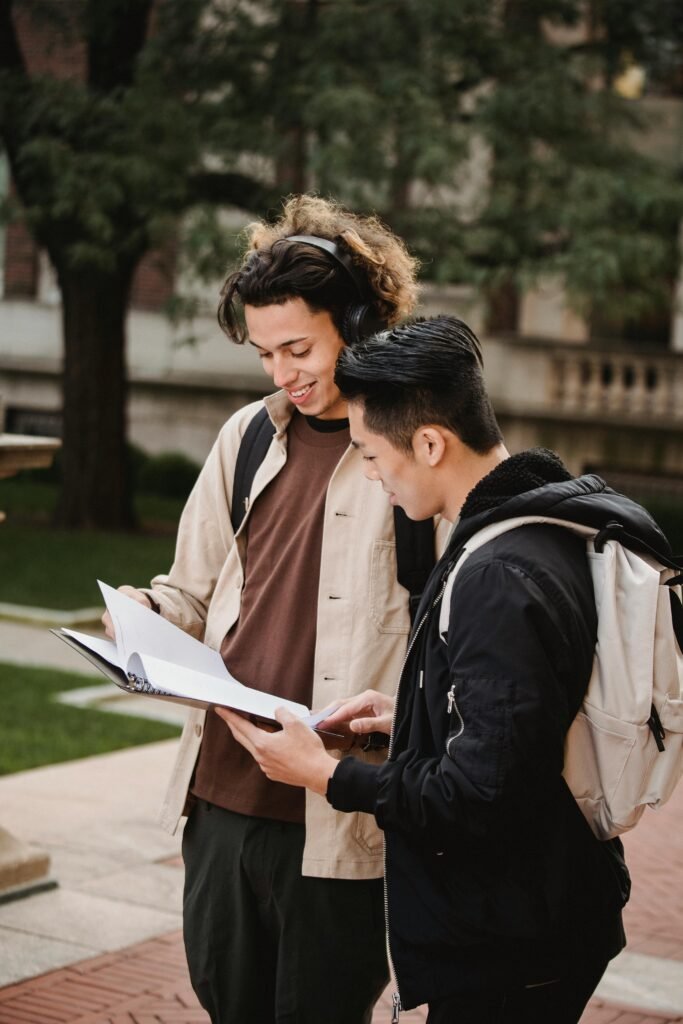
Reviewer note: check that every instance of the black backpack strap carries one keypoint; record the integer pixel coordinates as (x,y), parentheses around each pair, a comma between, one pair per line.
(615,531)
(677,617)
(252,451)
(415,556)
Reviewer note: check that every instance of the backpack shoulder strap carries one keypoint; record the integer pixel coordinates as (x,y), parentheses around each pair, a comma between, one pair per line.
(488,533)
(252,451)
(415,556)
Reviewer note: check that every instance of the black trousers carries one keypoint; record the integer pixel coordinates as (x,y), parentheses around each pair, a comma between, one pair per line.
(560,1001)
(267,946)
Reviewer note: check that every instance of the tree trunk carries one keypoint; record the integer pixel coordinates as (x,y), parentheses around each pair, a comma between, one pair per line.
(95,487)
(503,308)
(297,22)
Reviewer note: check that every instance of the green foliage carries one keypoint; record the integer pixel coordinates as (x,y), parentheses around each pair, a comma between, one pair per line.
(669,515)
(35,729)
(137,460)
(169,475)
(384,105)
(498,151)
(489,135)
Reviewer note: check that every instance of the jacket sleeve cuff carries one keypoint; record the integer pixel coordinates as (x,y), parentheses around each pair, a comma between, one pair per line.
(353,786)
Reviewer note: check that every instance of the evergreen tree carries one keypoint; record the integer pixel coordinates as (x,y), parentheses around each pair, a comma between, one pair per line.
(488,134)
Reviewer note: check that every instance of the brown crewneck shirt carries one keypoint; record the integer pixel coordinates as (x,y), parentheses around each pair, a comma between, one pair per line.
(272,645)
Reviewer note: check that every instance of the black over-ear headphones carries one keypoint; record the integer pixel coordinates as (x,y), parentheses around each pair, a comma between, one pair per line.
(360,319)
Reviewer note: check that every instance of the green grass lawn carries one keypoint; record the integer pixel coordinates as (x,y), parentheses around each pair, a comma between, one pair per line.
(33,500)
(35,729)
(52,568)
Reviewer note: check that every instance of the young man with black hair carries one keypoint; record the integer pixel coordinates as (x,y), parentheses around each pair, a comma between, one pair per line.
(283,905)
(503,906)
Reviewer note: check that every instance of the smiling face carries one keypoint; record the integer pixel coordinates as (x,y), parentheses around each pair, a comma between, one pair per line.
(298,349)
(407,477)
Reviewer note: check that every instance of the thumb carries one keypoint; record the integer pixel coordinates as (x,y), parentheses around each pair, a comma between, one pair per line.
(284,716)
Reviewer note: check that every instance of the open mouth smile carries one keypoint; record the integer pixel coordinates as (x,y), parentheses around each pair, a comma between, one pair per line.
(299,394)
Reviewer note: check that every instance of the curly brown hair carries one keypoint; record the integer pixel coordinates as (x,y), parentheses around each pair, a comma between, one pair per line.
(274,270)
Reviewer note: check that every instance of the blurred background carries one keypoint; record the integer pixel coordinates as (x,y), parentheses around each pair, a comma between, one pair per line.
(529,151)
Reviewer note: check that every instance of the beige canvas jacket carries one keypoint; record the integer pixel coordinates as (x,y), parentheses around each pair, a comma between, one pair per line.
(362,619)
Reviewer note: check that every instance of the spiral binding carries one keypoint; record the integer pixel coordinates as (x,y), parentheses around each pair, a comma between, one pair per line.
(141,685)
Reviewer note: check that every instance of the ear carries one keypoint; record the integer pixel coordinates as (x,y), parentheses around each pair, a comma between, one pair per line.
(429,445)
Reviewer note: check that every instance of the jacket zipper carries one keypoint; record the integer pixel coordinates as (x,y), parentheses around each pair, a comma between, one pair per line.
(396,1006)
(452,710)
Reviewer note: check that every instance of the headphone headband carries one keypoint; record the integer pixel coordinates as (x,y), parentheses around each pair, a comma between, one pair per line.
(337,253)
(361,319)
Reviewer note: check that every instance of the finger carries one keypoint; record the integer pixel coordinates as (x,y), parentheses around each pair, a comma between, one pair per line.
(303,734)
(365,725)
(284,716)
(237,723)
(346,712)
(329,709)
(228,716)
(244,732)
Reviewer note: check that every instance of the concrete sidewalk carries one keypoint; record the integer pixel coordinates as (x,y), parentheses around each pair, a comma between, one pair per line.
(104,947)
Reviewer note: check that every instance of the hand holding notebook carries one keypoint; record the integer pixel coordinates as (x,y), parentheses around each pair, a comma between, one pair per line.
(154,657)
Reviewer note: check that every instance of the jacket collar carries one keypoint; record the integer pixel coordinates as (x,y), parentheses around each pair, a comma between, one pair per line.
(280,410)
(585,499)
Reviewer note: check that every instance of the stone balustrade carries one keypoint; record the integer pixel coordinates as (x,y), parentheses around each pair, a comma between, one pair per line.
(648,387)
(600,407)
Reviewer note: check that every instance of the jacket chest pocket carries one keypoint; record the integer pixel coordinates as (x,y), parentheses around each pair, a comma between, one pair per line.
(387,599)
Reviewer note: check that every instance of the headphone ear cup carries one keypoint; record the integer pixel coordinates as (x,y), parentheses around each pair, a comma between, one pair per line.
(360,322)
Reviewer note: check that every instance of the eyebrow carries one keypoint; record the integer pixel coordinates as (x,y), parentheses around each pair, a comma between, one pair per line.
(357,444)
(283,344)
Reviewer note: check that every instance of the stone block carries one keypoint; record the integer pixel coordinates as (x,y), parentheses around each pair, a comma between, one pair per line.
(20,864)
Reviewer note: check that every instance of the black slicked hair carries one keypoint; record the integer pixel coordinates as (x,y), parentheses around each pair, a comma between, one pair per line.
(427,371)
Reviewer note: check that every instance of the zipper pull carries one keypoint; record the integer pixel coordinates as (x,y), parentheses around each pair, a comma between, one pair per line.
(395,1007)
(451,699)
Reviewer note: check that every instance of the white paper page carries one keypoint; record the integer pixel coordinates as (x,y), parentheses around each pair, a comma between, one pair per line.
(317,717)
(184,682)
(141,630)
(103,648)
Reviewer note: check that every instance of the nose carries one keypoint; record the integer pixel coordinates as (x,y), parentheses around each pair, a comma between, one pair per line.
(370,471)
(284,374)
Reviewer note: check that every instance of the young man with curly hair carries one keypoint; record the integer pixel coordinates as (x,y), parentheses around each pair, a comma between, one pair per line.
(283,905)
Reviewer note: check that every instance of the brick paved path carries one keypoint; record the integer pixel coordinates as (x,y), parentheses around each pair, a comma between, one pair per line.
(145,984)
(148,983)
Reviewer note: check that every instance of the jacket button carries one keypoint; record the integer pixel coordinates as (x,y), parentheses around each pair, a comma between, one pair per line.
(197,730)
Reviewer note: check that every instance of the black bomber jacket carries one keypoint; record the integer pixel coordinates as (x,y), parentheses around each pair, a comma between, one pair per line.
(492,873)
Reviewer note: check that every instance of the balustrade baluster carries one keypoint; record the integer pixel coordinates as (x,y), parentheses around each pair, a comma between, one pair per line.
(592,395)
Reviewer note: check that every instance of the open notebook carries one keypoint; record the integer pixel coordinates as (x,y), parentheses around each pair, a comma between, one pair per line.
(151,656)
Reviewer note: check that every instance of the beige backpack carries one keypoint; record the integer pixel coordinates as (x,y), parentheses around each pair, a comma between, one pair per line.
(624,749)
